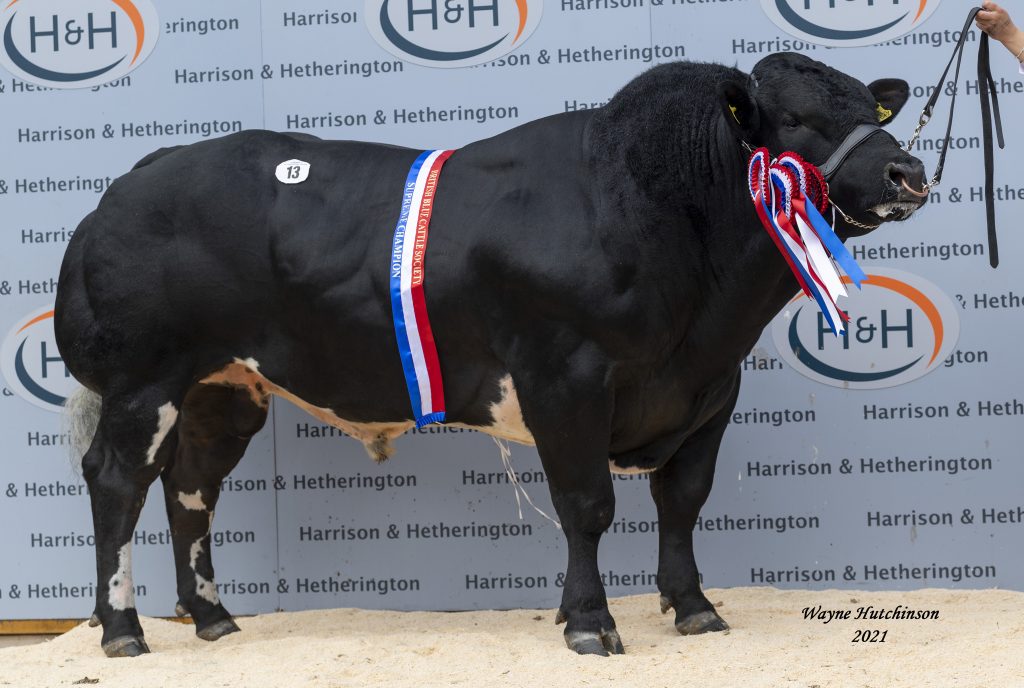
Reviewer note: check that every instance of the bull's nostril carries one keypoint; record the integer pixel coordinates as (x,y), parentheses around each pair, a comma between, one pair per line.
(907,177)
(895,174)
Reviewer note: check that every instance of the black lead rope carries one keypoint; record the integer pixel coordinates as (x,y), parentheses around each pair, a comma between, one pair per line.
(987,87)
(989,111)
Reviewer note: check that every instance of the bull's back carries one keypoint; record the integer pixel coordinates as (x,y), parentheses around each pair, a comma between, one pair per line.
(202,255)
(201,250)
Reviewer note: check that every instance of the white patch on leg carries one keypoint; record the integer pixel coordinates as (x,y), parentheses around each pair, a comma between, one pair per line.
(121,593)
(192,502)
(204,588)
(168,416)
(631,470)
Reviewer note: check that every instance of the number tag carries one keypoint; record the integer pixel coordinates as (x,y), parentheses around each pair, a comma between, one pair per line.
(293,172)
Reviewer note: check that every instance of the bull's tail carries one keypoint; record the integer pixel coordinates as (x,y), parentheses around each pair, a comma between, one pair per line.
(80,419)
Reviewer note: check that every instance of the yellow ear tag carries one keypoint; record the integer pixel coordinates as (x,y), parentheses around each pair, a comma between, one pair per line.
(883,114)
(732,109)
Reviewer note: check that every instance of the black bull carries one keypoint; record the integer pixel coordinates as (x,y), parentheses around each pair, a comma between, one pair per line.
(594,280)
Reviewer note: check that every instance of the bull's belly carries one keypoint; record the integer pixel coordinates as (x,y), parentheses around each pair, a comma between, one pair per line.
(506,415)
(507,418)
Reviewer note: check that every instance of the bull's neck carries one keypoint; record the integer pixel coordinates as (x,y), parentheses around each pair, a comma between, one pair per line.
(739,247)
(704,219)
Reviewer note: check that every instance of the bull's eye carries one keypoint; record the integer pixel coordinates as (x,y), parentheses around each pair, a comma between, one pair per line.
(790,122)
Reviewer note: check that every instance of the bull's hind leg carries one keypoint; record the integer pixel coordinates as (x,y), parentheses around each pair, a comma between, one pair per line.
(132,444)
(215,428)
(680,489)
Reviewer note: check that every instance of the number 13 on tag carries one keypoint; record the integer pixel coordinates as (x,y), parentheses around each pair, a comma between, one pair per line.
(292,172)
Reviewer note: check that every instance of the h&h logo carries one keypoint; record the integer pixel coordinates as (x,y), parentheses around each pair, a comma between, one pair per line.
(848,23)
(451,33)
(901,328)
(32,365)
(76,43)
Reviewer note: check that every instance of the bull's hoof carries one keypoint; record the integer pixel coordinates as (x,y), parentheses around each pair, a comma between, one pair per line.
(126,646)
(218,630)
(702,622)
(589,643)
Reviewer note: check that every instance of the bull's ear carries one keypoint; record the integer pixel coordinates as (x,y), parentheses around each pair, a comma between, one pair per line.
(739,108)
(890,96)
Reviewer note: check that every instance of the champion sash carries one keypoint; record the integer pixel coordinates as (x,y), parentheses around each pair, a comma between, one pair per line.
(408,306)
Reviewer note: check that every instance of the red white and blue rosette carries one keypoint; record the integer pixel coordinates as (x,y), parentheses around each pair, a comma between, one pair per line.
(789,196)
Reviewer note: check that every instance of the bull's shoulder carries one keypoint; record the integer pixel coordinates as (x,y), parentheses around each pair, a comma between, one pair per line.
(536,154)
(534,226)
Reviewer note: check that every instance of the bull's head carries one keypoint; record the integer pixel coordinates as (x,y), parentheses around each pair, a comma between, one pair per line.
(793,103)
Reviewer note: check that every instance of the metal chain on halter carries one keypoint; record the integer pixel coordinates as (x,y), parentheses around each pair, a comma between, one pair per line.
(849,219)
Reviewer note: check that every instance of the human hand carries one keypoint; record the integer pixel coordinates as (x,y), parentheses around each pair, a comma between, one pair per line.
(996,22)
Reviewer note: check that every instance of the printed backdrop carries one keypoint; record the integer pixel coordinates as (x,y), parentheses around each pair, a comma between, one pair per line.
(818,486)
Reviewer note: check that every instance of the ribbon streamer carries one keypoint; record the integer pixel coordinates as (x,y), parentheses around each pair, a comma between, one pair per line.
(789,196)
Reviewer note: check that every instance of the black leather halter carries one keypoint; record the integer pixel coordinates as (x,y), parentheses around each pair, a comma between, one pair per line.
(989,114)
(860,134)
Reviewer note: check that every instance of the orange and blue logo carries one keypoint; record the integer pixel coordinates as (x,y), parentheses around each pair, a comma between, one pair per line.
(76,43)
(901,328)
(32,365)
(446,33)
(848,23)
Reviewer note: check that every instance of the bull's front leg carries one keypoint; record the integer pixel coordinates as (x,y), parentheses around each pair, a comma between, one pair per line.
(680,489)
(586,505)
(573,447)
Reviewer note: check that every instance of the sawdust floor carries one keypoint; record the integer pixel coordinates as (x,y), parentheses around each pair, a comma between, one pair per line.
(978,640)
